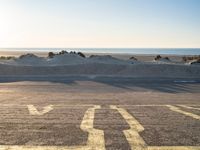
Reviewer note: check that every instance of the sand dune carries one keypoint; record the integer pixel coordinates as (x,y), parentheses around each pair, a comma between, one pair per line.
(64,59)
(134,70)
(73,64)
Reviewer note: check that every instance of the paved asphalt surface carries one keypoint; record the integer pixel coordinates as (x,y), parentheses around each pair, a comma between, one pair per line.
(58,113)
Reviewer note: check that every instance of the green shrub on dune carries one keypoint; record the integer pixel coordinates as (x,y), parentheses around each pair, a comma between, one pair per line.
(7,57)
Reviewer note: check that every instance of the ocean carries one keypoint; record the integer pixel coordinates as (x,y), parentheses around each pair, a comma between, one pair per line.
(168,51)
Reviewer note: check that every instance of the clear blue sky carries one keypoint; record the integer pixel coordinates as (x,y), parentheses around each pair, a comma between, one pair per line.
(100,23)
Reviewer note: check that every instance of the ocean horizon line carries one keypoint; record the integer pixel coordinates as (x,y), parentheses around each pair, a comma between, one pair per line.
(169,51)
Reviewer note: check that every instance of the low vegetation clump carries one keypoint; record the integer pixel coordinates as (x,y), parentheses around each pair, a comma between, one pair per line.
(92,56)
(51,54)
(158,57)
(27,55)
(7,57)
(191,58)
(101,56)
(62,52)
(81,54)
(133,58)
(167,58)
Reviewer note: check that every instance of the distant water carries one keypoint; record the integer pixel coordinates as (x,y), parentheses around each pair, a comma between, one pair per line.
(169,51)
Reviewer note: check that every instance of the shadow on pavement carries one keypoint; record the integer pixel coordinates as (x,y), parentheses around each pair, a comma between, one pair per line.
(166,85)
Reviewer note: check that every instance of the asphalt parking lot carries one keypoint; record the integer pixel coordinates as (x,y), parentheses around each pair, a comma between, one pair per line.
(57,113)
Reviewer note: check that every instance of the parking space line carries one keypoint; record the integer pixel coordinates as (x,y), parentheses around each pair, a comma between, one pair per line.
(176,109)
(33,110)
(189,107)
(136,142)
(155,105)
(96,140)
(55,105)
(6,91)
(91,105)
(173,148)
(95,137)
(132,134)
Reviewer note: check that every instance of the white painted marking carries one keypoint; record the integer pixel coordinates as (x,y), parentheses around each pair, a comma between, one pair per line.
(95,137)
(173,148)
(136,142)
(132,134)
(155,105)
(185,81)
(189,107)
(53,105)
(176,109)
(87,105)
(85,148)
(6,91)
(35,112)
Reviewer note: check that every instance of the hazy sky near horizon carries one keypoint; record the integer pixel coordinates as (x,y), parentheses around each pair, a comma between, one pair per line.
(100,23)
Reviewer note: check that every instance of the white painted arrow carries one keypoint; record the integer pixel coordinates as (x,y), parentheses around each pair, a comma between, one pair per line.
(35,112)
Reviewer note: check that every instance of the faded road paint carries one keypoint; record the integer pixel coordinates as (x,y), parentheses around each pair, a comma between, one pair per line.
(132,135)
(189,107)
(136,141)
(176,109)
(6,91)
(95,137)
(34,111)
(173,148)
